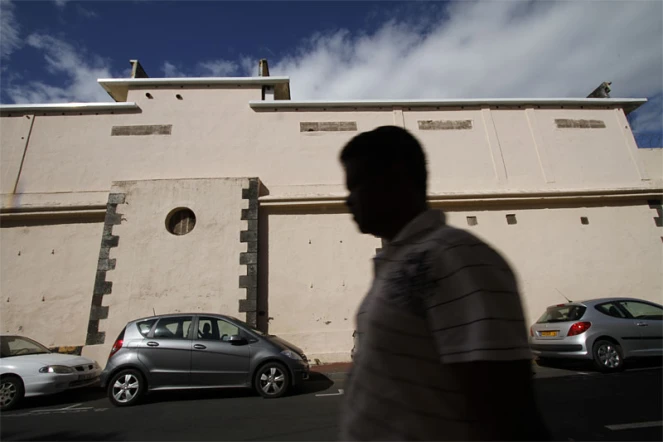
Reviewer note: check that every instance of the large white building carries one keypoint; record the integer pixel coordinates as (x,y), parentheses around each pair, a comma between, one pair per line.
(249,184)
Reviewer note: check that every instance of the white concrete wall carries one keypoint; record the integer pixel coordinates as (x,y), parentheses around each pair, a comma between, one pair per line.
(47,275)
(315,289)
(320,268)
(618,253)
(216,134)
(196,272)
(72,160)
(653,161)
(14,133)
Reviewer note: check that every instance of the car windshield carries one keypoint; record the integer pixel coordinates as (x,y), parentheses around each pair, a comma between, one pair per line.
(562,313)
(247,326)
(18,346)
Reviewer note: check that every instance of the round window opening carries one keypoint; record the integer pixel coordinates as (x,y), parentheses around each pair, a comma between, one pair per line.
(180,221)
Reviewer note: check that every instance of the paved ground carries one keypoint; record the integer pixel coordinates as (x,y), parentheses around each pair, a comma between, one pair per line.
(577,403)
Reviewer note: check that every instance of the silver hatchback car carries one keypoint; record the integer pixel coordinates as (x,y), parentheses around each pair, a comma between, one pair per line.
(199,350)
(606,331)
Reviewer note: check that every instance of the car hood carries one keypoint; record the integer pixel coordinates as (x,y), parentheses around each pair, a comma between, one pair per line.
(285,344)
(47,359)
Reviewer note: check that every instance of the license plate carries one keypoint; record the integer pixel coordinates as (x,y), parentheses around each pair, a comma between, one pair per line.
(85,377)
(548,333)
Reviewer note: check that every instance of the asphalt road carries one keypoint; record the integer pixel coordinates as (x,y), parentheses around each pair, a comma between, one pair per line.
(578,404)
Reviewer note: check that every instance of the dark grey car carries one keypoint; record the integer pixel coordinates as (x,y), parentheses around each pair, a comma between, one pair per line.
(199,350)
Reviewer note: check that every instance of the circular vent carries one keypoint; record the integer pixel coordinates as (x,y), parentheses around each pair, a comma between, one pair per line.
(180,221)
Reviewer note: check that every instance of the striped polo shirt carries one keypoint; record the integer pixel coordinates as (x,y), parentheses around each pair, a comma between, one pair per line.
(440,296)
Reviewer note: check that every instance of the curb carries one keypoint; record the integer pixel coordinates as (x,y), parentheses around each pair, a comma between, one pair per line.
(335,376)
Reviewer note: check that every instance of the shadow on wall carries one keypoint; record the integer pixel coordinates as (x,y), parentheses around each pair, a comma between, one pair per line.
(263,271)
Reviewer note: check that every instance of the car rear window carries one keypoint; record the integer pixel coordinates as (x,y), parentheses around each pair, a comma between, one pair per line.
(144,327)
(562,313)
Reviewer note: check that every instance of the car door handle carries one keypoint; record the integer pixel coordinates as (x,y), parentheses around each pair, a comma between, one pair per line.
(153,344)
(641,324)
(199,347)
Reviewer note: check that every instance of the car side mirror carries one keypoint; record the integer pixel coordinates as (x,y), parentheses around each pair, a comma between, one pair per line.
(237,340)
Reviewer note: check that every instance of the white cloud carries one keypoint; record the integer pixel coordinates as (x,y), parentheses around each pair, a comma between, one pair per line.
(81,71)
(218,68)
(87,13)
(171,71)
(9,30)
(209,68)
(61,3)
(489,49)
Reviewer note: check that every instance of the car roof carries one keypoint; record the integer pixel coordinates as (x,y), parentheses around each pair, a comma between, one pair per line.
(170,315)
(592,302)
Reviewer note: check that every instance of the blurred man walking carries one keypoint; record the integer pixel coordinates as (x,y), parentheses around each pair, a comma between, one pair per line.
(442,344)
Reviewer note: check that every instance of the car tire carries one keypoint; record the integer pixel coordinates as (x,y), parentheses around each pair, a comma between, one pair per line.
(126,388)
(608,356)
(272,380)
(11,392)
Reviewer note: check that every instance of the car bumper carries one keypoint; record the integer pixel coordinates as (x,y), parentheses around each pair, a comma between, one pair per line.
(104,378)
(572,348)
(45,384)
(300,372)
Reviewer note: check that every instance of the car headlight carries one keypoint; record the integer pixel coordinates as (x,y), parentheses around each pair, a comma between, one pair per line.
(61,369)
(292,355)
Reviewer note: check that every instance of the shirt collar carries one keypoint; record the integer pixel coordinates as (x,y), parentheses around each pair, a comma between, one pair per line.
(430,219)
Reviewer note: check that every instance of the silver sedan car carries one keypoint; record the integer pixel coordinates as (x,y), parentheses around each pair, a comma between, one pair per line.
(27,369)
(606,331)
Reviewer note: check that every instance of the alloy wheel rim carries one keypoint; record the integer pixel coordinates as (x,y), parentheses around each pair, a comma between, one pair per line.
(272,381)
(125,388)
(7,393)
(609,356)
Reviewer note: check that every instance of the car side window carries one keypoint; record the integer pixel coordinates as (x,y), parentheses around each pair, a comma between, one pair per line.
(641,310)
(177,327)
(144,327)
(214,329)
(611,309)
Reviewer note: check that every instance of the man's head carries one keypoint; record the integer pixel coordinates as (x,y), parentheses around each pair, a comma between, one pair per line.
(386,176)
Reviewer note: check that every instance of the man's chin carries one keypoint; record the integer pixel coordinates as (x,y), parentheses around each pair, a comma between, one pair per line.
(364,229)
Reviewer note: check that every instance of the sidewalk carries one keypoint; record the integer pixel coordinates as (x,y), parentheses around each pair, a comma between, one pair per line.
(337,370)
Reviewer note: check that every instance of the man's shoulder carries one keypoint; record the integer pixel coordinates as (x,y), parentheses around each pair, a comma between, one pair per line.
(450,235)
(451,242)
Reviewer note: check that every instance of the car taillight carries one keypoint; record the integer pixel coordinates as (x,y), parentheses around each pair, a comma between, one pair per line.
(531,332)
(116,347)
(578,328)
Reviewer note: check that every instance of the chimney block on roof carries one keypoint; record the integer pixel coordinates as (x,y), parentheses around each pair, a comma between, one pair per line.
(603,91)
(137,70)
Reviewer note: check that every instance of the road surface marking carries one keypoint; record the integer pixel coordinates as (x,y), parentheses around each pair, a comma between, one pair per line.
(642,369)
(43,411)
(340,392)
(69,408)
(72,406)
(636,425)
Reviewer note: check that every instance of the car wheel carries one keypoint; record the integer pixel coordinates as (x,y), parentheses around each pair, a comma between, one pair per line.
(272,380)
(126,388)
(11,392)
(608,356)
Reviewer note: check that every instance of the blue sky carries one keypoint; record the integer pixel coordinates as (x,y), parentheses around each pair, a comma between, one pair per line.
(53,51)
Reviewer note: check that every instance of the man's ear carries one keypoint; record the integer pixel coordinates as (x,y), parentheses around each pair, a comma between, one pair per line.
(396,176)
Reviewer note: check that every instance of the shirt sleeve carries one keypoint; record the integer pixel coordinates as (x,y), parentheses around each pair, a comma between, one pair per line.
(474,311)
